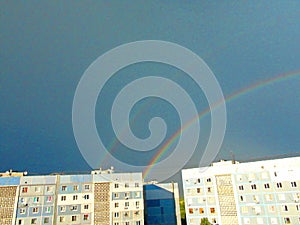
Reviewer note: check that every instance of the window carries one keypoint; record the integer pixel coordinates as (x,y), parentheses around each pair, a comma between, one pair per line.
(126,204)
(46,220)
(246,221)
(116,223)
(267,186)
(37,189)
(212,210)
(296,197)
(85,217)
(24,189)
(86,187)
(285,208)
(63,198)
(244,209)
(63,188)
(274,221)
(257,209)
(198,190)
(34,221)
(209,189)
(116,195)
(269,197)
(198,180)
(49,199)
(126,214)
(136,184)
(253,186)
(260,221)
(48,209)
(126,185)
(75,188)
(271,208)
(22,211)
(74,218)
(287,220)
(116,215)
(191,210)
(294,184)
(192,221)
(127,195)
(86,197)
(281,197)
(75,197)
(137,203)
(22,200)
(86,206)
(208,180)
(201,210)
(20,222)
(241,187)
(256,198)
(48,189)
(61,219)
(36,199)
(211,200)
(137,194)
(35,210)
(241,198)
(116,185)
(138,223)
(279,185)
(73,207)
(63,208)
(116,204)
(127,223)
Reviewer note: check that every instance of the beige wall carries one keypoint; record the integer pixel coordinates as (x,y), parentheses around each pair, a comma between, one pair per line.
(7,202)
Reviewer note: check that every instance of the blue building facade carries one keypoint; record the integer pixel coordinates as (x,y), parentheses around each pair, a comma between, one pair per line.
(161,204)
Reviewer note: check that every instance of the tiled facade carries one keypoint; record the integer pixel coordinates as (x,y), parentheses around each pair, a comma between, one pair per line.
(7,202)
(102,203)
(262,192)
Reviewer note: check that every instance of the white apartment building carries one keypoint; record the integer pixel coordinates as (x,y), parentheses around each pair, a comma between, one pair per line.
(232,193)
(99,198)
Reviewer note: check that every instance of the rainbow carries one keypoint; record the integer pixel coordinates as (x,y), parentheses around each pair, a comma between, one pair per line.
(256,86)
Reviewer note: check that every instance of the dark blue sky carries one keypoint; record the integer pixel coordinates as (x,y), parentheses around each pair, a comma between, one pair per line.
(45,47)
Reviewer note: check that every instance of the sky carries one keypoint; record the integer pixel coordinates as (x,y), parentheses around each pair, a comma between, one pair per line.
(46,46)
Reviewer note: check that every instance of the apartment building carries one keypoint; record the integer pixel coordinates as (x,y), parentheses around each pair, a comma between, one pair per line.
(36,200)
(232,193)
(100,198)
(162,204)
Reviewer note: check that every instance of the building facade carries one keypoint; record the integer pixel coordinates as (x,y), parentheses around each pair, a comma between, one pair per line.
(100,198)
(227,193)
(162,204)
